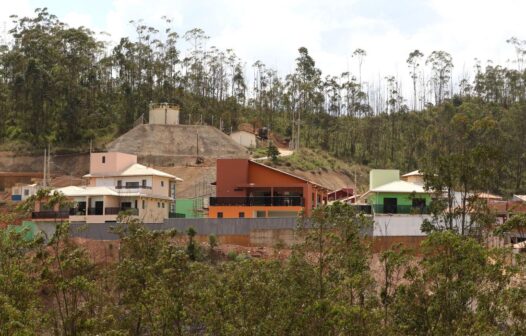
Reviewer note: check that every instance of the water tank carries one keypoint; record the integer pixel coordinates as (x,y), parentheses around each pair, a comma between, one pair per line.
(164,114)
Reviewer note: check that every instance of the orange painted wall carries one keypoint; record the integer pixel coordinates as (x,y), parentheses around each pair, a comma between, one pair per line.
(233,211)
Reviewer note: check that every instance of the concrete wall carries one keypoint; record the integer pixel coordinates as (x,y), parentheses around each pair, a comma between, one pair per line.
(398,225)
(245,139)
(164,115)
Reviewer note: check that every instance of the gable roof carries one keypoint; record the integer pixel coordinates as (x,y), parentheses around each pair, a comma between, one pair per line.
(400,186)
(413,173)
(137,169)
(289,174)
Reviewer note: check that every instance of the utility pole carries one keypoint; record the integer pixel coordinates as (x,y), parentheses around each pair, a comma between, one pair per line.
(49,163)
(44,184)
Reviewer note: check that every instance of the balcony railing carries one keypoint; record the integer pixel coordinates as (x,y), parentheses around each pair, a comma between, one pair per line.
(50,214)
(116,211)
(134,186)
(176,215)
(400,209)
(362,208)
(257,201)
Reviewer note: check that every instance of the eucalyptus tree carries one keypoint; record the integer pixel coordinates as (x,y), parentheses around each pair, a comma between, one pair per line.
(441,64)
(413,62)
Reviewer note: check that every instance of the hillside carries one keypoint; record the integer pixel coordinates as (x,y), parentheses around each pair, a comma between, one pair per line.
(167,145)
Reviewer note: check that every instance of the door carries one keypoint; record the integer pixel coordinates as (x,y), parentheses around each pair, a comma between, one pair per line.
(99,207)
(390,205)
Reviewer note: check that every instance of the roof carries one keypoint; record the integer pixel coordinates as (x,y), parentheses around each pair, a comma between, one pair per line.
(400,186)
(284,172)
(413,173)
(74,191)
(489,196)
(137,169)
(520,197)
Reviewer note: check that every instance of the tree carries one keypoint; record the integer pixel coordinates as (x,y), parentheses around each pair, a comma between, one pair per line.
(413,62)
(441,65)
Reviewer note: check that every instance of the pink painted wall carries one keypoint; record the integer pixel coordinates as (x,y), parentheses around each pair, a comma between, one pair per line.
(114,163)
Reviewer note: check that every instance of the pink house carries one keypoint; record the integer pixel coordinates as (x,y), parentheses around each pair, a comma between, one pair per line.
(117,183)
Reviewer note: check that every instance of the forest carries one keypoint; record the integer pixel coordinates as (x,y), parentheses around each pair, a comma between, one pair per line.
(67,87)
(166,283)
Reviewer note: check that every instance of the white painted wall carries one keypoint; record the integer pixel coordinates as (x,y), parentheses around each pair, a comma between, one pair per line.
(398,225)
(245,139)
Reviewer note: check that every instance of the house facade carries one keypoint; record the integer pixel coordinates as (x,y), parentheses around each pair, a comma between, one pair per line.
(116,183)
(398,207)
(245,188)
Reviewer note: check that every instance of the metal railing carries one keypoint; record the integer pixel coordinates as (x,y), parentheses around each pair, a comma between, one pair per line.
(257,201)
(138,186)
(117,210)
(400,209)
(363,208)
(95,211)
(49,214)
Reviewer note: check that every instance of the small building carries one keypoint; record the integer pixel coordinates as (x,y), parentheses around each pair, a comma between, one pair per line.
(245,188)
(340,194)
(416,177)
(389,194)
(244,138)
(163,114)
(22,191)
(117,183)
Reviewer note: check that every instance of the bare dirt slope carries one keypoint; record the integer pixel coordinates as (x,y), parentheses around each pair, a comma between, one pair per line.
(168,145)
(196,182)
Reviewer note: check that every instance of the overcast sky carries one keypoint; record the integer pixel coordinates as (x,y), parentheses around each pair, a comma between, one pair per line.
(273,30)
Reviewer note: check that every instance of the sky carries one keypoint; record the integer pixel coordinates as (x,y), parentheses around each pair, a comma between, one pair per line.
(272,30)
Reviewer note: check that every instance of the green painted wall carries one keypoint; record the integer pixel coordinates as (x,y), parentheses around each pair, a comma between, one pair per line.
(402,198)
(28,229)
(186,206)
(379,177)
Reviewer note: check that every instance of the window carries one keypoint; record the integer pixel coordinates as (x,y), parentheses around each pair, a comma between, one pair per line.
(158,204)
(103,159)
(162,183)
(241,215)
(144,183)
(219,215)
(261,214)
(163,205)
(143,204)
(119,184)
(26,192)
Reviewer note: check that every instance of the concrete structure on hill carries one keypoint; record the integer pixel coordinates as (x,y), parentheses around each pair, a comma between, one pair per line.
(244,138)
(169,145)
(117,183)
(163,114)
(245,188)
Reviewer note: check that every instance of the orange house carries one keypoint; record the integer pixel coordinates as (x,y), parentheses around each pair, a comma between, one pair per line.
(245,188)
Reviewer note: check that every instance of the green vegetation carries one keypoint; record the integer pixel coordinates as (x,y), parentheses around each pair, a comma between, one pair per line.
(154,284)
(63,86)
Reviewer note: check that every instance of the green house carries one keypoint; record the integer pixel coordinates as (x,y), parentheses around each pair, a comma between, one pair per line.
(388,194)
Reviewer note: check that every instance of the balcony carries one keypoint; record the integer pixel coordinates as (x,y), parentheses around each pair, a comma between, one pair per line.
(132,186)
(257,201)
(117,210)
(50,214)
(400,209)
